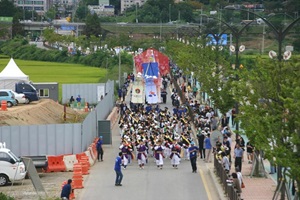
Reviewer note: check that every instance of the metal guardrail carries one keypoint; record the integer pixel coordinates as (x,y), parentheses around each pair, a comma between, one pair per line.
(230,190)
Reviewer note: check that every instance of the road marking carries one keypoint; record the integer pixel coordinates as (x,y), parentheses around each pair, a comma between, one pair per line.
(205,184)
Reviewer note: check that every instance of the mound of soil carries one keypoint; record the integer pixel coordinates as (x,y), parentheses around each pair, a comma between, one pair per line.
(44,111)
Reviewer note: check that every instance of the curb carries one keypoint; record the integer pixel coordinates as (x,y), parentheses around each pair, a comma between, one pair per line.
(216,183)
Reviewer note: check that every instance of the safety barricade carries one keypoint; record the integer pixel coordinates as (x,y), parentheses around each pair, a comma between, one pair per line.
(56,164)
(79,155)
(90,159)
(94,157)
(77,180)
(84,161)
(94,149)
(69,161)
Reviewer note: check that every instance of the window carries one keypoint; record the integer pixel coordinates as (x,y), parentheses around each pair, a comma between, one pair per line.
(4,157)
(44,92)
(3,94)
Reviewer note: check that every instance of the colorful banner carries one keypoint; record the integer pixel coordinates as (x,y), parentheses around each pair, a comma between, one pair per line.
(150,69)
(152,55)
(151,92)
(138,92)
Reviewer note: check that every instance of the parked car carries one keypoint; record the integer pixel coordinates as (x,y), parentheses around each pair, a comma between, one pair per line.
(9,97)
(11,167)
(21,98)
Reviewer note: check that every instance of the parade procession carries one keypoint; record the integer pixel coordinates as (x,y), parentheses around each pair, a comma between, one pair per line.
(150,130)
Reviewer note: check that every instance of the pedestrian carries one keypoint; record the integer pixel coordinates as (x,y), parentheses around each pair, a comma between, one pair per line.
(238,156)
(225,162)
(66,190)
(71,100)
(193,151)
(208,148)
(250,149)
(201,137)
(119,175)
(236,182)
(100,149)
(78,99)
(163,95)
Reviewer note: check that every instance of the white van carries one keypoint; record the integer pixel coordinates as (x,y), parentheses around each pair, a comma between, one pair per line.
(11,167)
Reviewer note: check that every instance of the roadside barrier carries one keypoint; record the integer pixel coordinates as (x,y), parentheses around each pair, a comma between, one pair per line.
(94,156)
(69,161)
(90,159)
(56,164)
(84,161)
(113,116)
(3,105)
(77,179)
(86,108)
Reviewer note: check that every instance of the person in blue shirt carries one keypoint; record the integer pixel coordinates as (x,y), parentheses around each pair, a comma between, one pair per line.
(66,190)
(119,175)
(100,149)
(208,148)
(193,151)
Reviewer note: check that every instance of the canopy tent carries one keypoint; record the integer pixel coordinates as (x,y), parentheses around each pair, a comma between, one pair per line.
(13,72)
(10,75)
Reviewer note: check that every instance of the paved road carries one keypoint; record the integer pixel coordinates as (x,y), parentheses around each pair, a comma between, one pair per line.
(150,183)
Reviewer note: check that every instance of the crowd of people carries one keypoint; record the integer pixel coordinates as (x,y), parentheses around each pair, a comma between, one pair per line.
(150,132)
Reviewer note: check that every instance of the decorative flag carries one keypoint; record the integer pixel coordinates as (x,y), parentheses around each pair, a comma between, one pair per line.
(150,69)
(150,91)
(138,92)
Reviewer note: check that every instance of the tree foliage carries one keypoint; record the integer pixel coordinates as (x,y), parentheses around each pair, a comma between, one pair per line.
(210,69)
(269,111)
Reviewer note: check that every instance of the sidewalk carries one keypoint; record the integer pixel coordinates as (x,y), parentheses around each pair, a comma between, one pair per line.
(256,188)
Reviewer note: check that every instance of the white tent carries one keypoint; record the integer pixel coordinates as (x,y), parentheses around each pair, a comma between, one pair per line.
(10,75)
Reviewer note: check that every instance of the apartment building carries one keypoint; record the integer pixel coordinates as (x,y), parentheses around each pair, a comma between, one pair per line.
(40,6)
(128,3)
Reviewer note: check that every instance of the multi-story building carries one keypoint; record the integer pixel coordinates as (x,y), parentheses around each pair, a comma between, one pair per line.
(40,6)
(129,3)
(102,10)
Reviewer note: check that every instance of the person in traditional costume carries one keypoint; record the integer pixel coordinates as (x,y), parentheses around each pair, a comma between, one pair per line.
(124,150)
(142,154)
(159,154)
(175,154)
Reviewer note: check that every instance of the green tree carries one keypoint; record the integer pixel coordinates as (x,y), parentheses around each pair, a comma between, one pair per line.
(93,26)
(269,111)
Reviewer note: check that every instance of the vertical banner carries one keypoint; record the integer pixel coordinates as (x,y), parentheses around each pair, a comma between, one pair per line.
(150,69)
(151,92)
(138,92)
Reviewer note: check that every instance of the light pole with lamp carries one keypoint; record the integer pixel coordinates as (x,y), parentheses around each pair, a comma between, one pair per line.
(236,34)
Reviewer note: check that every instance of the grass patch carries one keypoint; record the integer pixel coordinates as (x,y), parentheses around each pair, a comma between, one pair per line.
(62,73)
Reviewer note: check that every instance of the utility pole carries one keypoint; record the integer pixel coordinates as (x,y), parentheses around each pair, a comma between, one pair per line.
(169,12)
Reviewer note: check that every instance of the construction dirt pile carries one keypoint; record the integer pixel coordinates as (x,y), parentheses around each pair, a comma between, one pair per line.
(44,111)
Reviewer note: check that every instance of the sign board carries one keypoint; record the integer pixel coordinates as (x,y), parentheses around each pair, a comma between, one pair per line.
(212,40)
(6,19)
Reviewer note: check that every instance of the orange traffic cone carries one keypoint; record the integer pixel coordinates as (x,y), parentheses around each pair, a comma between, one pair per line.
(77,176)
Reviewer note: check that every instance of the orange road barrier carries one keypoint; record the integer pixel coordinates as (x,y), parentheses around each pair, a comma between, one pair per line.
(56,164)
(77,180)
(86,108)
(3,105)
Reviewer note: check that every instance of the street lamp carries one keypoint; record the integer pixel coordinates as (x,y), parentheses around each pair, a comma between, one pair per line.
(280,33)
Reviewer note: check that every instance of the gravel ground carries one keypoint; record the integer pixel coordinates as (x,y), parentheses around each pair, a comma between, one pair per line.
(52,182)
